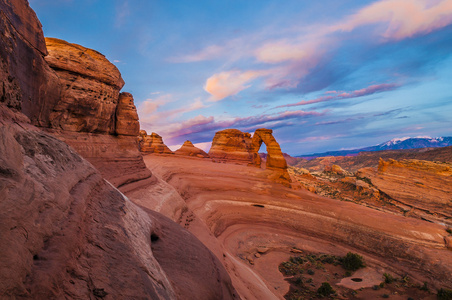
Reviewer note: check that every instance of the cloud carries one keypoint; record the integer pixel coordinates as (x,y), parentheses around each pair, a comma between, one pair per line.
(335,95)
(401,18)
(308,51)
(202,128)
(225,84)
(149,109)
(208,53)
(122,13)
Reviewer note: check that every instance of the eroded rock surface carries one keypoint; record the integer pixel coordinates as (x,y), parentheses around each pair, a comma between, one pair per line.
(90,88)
(27,82)
(92,116)
(234,146)
(152,143)
(65,231)
(419,184)
(126,116)
(188,149)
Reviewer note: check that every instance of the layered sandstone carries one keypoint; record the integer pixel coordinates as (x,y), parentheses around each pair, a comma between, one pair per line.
(417,184)
(65,231)
(28,84)
(253,224)
(152,143)
(188,149)
(234,146)
(231,145)
(93,116)
(126,116)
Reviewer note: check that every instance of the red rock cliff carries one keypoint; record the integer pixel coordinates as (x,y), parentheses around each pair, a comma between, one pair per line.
(92,116)
(65,231)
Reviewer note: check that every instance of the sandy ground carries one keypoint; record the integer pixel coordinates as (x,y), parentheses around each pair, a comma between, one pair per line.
(252,225)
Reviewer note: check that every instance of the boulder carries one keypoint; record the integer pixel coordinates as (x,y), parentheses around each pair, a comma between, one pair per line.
(188,149)
(152,144)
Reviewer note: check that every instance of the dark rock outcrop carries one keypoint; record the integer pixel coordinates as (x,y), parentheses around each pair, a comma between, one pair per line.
(152,143)
(188,149)
(27,82)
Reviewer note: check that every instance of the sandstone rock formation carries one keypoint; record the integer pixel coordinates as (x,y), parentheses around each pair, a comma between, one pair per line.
(232,145)
(28,84)
(416,184)
(90,88)
(65,231)
(126,116)
(188,149)
(152,143)
(92,116)
(248,214)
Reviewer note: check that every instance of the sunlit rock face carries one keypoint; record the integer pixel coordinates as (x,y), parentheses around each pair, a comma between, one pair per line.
(92,115)
(420,184)
(126,116)
(90,88)
(188,149)
(234,146)
(152,143)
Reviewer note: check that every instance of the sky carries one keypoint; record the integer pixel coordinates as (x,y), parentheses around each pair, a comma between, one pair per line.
(324,75)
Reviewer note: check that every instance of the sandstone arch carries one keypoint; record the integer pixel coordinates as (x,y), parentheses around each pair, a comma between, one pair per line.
(232,145)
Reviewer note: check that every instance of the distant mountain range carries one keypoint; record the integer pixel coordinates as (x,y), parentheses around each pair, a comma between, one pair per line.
(394,144)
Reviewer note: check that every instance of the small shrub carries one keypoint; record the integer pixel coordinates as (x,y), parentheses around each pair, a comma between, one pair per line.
(311,272)
(388,278)
(353,261)
(382,284)
(444,294)
(376,287)
(325,290)
(348,274)
(385,296)
(424,287)
(449,230)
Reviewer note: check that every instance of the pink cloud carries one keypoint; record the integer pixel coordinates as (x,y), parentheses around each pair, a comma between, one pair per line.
(377,88)
(225,84)
(402,18)
(280,51)
(177,132)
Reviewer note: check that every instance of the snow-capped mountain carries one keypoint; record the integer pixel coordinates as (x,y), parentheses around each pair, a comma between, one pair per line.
(412,143)
(394,144)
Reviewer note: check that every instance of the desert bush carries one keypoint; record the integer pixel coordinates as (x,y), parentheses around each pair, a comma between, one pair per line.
(444,294)
(388,278)
(325,290)
(353,261)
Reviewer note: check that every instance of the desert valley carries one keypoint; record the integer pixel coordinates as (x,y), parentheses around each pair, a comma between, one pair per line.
(94,207)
